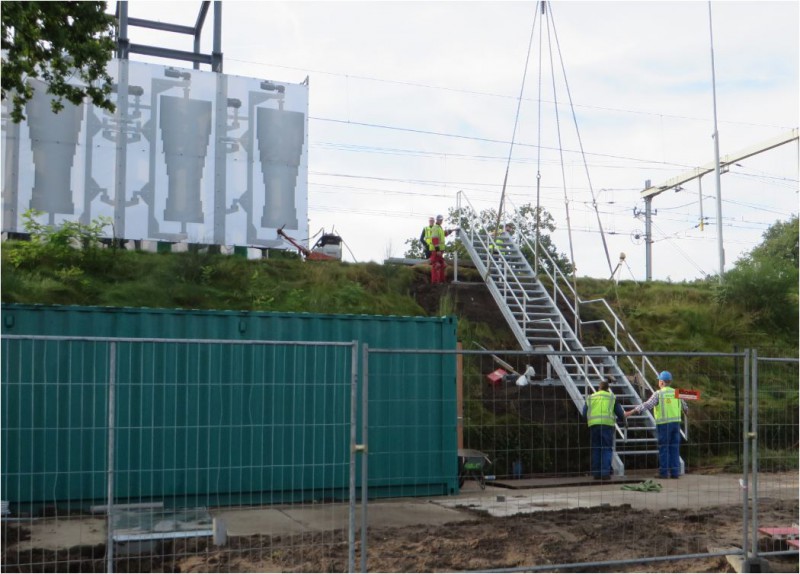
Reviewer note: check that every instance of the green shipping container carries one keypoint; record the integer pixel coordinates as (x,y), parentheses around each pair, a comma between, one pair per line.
(228,421)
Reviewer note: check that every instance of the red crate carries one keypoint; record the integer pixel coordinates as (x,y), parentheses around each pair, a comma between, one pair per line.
(496,376)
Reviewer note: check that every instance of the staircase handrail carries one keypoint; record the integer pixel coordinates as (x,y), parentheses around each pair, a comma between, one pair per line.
(620,347)
(474,222)
(582,351)
(557,274)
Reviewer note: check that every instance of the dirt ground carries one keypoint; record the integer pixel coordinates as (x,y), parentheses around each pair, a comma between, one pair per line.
(559,537)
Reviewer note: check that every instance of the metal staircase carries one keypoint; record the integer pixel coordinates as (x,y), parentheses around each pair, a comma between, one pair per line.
(534,313)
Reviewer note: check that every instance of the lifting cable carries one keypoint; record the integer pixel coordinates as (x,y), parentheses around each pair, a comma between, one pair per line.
(514,133)
(538,159)
(561,152)
(583,154)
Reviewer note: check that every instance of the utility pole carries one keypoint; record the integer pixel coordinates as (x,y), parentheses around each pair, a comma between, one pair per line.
(720,246)
(720,165)
(648,237)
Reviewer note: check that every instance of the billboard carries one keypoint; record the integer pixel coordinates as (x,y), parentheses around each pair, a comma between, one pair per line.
(188,156)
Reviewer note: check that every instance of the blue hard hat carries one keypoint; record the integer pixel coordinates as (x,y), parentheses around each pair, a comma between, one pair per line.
(664,376)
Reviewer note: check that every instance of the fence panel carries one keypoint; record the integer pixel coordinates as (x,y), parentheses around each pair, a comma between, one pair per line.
(527,500)
(774,462)
(210,441)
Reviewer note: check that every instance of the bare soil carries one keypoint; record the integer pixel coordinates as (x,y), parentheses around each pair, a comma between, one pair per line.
(560,537)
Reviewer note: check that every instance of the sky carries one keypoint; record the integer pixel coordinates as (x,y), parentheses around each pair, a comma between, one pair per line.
(411,103)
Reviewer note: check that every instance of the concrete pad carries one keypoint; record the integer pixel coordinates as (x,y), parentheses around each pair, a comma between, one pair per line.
(56,534)
(321,518)
(409,513)
(252,521)
(735,560)
(554,482)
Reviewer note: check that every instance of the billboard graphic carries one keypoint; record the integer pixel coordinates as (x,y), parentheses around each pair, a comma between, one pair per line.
(189,155)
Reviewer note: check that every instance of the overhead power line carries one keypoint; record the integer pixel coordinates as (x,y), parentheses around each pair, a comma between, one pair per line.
(348,76)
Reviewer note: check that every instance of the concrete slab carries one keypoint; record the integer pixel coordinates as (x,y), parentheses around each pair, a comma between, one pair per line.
(252,521)
(54,534)
(321,518)
(554,482)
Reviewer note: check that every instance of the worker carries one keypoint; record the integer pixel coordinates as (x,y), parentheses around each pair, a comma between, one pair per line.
(667,410)
(425,238)
(437,249)
(498,239)
(599,411)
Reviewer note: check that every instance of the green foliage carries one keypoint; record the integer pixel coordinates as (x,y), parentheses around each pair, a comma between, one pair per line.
(56,42)
(525,219)
(63,247)
(764,282)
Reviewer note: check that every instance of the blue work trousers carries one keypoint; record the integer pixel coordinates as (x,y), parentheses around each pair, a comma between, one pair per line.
(602,440)
(669,449)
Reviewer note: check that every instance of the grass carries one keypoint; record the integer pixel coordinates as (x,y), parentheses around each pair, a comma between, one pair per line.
(661,316)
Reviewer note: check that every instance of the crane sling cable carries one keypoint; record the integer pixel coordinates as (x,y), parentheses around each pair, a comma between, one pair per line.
(577,323)
(537,240)
(583,153)
(514,133)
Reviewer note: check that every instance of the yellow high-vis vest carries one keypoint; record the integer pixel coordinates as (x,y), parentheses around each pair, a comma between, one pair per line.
(669,408)
(600,409)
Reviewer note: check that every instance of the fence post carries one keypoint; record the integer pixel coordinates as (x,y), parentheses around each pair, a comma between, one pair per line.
(112,375)
(351,535)
(745,454)
(754,447)
(364,457)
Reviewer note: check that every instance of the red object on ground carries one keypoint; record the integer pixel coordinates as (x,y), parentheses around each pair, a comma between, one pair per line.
(687,395)
(781,532)
(496,376)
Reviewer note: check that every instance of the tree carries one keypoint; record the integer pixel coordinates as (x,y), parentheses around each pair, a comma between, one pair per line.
(764,282)
(524,220)
(56,42)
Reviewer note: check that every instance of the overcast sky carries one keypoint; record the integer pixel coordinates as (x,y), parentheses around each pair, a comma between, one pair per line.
(411,102)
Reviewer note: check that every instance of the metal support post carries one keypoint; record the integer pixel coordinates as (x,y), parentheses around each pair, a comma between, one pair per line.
(648,239)
(754,447)
(112,374)
(216,53)
(745,454)
(364,457)
(351,534)
(716,152)
(122,31)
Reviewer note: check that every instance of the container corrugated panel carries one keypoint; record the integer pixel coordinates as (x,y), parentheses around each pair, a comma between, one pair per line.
(216,424)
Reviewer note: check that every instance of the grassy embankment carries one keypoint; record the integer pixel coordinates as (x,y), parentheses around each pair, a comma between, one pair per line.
(662,316)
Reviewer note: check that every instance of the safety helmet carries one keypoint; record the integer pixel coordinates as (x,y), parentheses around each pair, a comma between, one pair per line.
(664,376)
(439,218)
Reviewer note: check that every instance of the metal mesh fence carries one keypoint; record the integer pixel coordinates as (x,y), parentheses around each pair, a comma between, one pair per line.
(137,455)
(152,455)
(774,460)
(527,497)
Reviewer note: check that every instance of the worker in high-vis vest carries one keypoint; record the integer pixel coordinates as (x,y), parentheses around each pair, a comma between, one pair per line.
(667,410)
(601,412)
(425,237)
